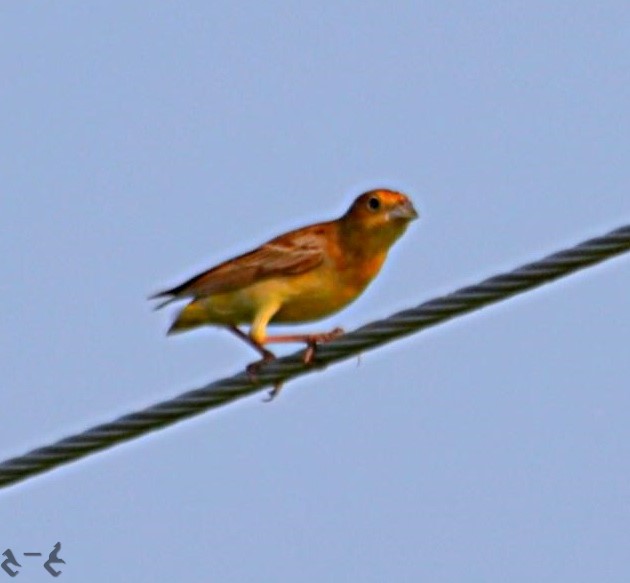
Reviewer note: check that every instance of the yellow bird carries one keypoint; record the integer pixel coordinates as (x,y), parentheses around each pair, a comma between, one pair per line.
(300,276)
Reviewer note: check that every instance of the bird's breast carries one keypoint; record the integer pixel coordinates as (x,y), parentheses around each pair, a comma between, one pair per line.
(326,289)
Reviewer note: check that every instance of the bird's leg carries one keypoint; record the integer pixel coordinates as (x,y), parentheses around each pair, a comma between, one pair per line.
(253,367)
(311,340)
(267,355)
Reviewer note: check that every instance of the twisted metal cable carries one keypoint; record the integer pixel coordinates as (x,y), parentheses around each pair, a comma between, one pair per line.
(374,334)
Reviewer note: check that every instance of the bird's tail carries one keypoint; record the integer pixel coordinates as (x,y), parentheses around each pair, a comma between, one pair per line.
(171,295)
(166,302)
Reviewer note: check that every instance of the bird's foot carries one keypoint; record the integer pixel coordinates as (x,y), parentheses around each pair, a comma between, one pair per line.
(253,369)
(313,340)
(273,393)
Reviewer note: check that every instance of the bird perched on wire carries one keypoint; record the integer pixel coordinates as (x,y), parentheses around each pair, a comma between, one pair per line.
(300,276)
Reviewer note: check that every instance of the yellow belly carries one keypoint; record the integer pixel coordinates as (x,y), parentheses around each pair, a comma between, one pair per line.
(292,299)
(301,298)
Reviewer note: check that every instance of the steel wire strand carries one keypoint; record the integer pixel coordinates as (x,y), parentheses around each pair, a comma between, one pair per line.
(377,333)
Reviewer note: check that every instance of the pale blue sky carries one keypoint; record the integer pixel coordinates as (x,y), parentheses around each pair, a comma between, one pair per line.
(144,141)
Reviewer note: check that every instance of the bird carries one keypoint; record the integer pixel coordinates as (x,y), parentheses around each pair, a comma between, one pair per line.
(300,276)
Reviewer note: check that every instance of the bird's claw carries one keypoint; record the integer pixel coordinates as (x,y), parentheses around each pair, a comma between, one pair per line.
(253,368)
(311,344)
(273,393)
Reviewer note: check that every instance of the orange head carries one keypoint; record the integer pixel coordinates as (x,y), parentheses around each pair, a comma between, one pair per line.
(379,217)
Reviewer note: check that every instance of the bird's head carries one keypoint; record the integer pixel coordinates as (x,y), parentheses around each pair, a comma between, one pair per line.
(381,215)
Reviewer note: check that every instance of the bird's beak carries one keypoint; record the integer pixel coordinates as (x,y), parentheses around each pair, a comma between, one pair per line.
(405,211)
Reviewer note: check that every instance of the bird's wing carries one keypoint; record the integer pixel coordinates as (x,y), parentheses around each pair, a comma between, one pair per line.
(289,254)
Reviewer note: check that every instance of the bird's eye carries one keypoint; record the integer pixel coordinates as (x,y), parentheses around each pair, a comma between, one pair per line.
(374,203)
